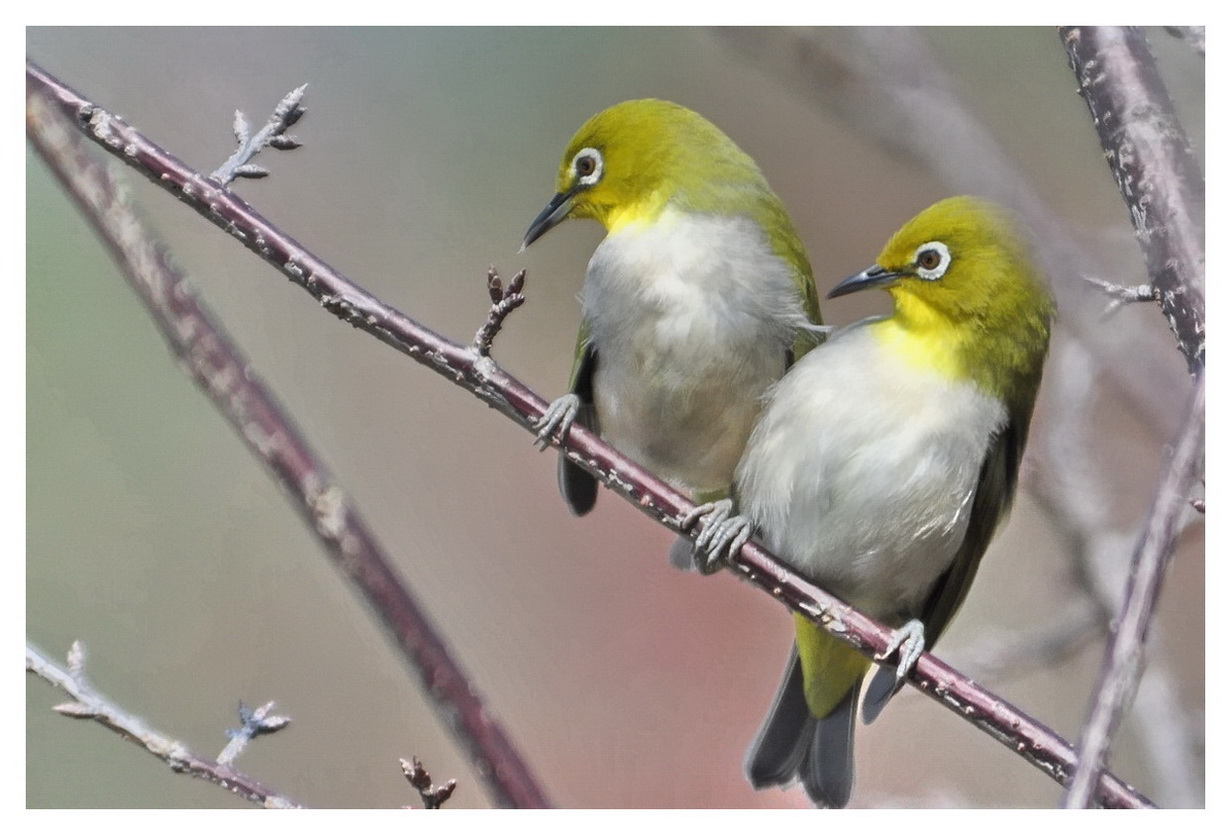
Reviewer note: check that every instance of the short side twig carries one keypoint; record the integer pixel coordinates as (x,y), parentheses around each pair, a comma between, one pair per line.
(255,723)
(433,797)
(504,301)
(1151,556)
(90,704)
(220,369)
(274,134)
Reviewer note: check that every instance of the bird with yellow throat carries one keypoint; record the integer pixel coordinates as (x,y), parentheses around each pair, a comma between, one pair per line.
(881,466)
(699,297)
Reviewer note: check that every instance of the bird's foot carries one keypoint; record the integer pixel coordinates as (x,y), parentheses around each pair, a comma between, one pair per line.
(720,536)
(558,417)
(908,643)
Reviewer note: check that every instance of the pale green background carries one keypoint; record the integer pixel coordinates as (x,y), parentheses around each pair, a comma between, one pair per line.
(155,538)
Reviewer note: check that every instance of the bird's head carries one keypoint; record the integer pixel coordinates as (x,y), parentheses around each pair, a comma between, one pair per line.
(627,163)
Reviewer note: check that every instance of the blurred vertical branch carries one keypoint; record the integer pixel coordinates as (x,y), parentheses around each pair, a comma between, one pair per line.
(207,354)
(886,83)
(1153,165)
(1151,556)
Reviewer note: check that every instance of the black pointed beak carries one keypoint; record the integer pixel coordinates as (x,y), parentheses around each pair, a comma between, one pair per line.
(556,210)
(873,276)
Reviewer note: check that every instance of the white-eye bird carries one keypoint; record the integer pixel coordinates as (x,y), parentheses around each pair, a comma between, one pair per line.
(882,464)
(697,300)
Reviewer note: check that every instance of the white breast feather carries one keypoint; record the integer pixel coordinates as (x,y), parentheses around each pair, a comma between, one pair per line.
(862,470)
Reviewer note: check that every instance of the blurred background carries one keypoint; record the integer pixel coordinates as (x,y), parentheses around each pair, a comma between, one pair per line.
(156,539)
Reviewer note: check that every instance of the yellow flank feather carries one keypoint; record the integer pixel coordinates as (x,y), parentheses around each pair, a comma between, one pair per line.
(831,667)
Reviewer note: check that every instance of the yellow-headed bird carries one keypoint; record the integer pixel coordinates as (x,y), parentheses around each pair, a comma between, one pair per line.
(882,465)
(697,300)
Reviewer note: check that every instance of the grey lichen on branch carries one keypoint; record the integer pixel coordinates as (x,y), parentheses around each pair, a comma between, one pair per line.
(273,135)
(88,703)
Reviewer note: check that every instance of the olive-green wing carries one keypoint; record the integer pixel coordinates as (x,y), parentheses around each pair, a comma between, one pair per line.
(578,487)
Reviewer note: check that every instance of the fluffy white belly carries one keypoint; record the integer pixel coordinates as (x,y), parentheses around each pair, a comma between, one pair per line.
(692,319)
(862,471)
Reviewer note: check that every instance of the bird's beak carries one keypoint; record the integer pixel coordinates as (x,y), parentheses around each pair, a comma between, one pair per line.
(873,276)
(556,210)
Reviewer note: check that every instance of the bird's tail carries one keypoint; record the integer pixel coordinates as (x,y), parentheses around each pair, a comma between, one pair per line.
(809,733)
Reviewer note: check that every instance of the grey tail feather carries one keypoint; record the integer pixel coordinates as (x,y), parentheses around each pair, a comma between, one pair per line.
(829,769)
(794,743)
(779,747)
(578,487)
(884,684)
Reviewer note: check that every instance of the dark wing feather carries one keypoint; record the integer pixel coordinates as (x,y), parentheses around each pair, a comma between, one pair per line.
(578,487)
(993,496)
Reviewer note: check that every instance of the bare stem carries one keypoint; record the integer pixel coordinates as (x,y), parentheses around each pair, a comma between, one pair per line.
(207,353)
(90,704)
(481,376)
(1151,556)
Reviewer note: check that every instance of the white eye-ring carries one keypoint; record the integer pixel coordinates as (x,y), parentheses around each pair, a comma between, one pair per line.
(588,166)
(931,260)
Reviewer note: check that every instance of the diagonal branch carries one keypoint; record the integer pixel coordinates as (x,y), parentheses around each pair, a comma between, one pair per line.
(481,376)
(90,704)
(1151,556)
(206,352)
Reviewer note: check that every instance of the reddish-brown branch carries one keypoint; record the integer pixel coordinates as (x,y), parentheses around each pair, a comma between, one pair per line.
(486,380)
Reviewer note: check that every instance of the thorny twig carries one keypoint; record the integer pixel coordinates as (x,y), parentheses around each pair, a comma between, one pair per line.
(90,704)
(462,365)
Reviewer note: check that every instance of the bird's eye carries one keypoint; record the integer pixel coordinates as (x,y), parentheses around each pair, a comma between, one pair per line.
(588,166)
(931,260)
